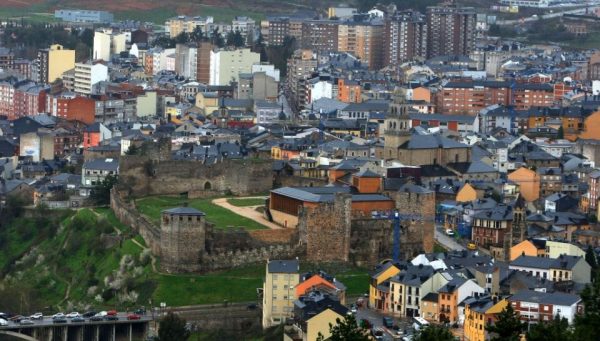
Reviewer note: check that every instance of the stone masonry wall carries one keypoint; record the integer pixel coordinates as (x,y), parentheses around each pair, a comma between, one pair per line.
(419,225)
(326,230)
(371,241)
(141,176)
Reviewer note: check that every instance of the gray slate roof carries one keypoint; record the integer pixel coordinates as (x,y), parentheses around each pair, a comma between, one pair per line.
(283,266)
(188,211)
(555,298)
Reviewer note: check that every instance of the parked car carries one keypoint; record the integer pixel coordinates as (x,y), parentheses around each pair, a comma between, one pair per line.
(77,319)
(58,316)
(37,316)
(111,312)
(471,246)
(377,333)
(59,320)
(96,318)
(140,311)
(25,321)
(111,317)
(388,322)
(450,232)
(72,314)
(88,314)
(3,322)
(16,318)
(102,313)
(133,317)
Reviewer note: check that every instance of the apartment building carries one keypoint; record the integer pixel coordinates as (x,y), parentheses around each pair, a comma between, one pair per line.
(176,26)
(492,228)
(226,65)
(53,61)
(404,38)
(363,40)
(535,306)
(88,74)
(450,30)
(300,68)
(281,278)
(319,35)
(108,43)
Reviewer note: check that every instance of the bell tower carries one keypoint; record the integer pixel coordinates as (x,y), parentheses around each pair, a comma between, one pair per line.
(397,126)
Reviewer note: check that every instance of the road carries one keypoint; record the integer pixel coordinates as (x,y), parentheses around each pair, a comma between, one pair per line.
(447,241)
(376,319)
(47,321)
(544,16)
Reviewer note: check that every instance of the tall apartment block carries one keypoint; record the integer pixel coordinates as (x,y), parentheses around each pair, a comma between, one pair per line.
(404,37)
(451,30)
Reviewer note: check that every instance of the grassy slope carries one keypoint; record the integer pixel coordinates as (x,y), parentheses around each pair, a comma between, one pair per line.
(221,217)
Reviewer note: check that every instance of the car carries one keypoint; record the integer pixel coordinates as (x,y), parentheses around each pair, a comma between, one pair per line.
(111,312)
(16,318)
(111,317)
(3,322)
(88,314)
(388,322)
(59,320)
(77,319)
(25,321)
(37,316)
(471,246)
(96,318)
(133,317)
(353,309)
(377,333)
(450,232)
(102,313)
(72,314)
(142,311)
(58,316)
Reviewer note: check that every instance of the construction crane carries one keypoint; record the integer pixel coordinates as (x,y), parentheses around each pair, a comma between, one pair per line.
(396,217)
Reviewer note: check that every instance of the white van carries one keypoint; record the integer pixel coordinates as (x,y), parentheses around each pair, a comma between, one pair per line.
(420,323)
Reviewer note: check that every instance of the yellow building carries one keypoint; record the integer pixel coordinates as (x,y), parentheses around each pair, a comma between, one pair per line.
(208,102)
(479,313)
(54,61)
(466,194)
(529,183)
(281,278)
(309,329)
(378,299)
(527,248)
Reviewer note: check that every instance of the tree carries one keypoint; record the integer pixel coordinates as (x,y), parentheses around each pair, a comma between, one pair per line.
(217,38)
(172,327)
(434,333)
(133,150)
(197,35)
(561,133)
(100,194)
(345,330)
(555,330)
(182,38)
(590,258)
(164,42)
(235,39)
(508,327)
(586,324)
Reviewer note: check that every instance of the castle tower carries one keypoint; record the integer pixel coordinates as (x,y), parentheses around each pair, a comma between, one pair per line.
(182,239)
(397,127)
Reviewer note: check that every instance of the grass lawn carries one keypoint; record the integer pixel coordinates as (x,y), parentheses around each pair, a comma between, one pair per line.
(236,285)
(247,202)
(157,15)
(221,217)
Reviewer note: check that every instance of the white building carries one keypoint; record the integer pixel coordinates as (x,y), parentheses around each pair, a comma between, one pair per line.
(108,43)
(88,74)
(226,65)
(320,89)
(268,69)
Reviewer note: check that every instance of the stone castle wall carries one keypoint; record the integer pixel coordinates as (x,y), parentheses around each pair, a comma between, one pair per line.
(142,176)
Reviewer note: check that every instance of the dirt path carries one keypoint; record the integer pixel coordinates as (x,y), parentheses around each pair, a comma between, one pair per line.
(247,211)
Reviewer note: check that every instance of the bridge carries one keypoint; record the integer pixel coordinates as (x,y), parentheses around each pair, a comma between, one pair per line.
(45,329)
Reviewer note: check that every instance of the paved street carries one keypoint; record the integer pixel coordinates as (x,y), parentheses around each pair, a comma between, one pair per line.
(376,319)
(447,241)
